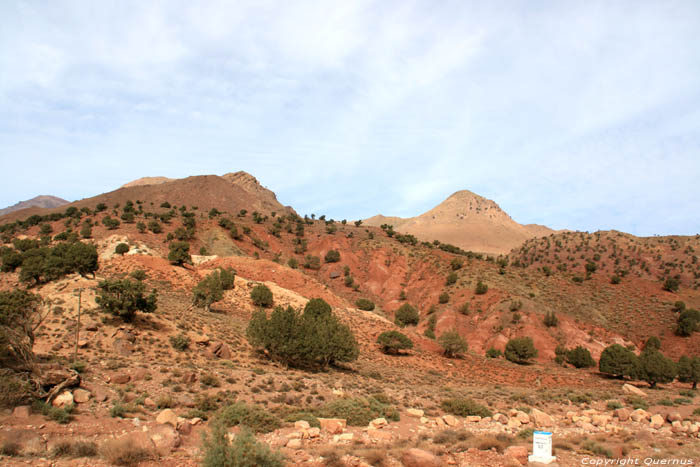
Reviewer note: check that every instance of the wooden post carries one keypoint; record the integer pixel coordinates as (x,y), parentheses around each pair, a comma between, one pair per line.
(77,327)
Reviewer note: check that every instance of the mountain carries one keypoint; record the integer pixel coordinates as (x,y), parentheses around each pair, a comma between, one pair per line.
(468,221)
(43,201)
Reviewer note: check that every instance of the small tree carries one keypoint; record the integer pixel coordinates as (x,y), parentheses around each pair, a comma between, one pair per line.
(86,231)
(451,278)
(481,288)
(155,227)
(520,350)
(689,370)
(179,253)
(392,342)
(580,357)
(456,264)
(261,296)
(211,289)
(333,256)
(653,343)
(20,316)
(453,345)
(656,368)
(550,319)
(243,451)
(671,284)
(364,304)
(618,361)
(444,298)
(123,298)
(688,321)
(406,315)
(121,249)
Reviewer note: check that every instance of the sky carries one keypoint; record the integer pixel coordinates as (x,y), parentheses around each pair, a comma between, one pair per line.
(580,115)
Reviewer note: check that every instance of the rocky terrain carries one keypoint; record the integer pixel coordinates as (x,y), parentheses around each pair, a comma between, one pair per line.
(145,392)
(42,201)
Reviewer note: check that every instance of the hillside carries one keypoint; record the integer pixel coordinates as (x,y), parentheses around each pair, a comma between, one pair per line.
(160,381)
(43,201)
(468,221)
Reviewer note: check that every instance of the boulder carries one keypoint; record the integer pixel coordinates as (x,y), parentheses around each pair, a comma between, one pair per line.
(314,432)
(140,373)
(378,423)
(379,435)
(415,413)
(473,418)
(333,425)
(450,420)
(419,458)
(81,396)
(165,438)
(629,389)
(640,415)
(302,425)
(674,417)
(101,394)
(600,420)
(623,414)
(63,399)
(522,417)
(294,443)
(541,419)
(120,378)
(657,421)
(519,453)
(167,416)
(22,411)
(122,347)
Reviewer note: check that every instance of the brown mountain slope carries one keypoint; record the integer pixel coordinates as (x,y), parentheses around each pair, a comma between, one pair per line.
(468,221)
(147,181)
(43,201)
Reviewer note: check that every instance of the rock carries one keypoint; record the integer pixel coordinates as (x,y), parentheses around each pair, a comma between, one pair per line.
(415,413)
(639,415)
(629,389)
(522,417)
(92,327)
(150,403)
(22,411)
(518,453)
(81,396)
(100,394)
(600,420)
(473,419)
(678,427)
(345,437)
(378,423)
(294,443)
(120,378)
(83,344)
(623,414)
(419,458)
(140,373)
(674,417)
(165,438)
(333,425)
(189,378)
(186,400)
(382,435)
(63,399)
(334,274)
(450,420)
(541,419)
(302,425)
(123,347)
(513,423)
(167,416)
(314,432)
(184,428)
(221,350)
(500,418)
(657,421)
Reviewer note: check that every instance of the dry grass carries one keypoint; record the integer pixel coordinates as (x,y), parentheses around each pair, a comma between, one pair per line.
(124,452)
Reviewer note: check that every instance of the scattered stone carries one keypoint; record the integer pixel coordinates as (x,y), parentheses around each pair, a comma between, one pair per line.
(623,414)
(123,347)
(294,443)
(100,394)
(419,458)
(378,423)
(22,411)
(382,435)
(302,425)
(519,453)
(120,378)
(63,399)
(345,437)
(657,421)
(81,396)
(165,438)
(450,420)
(415,413)
(541,419)
(473,419)
(140,373)
(167,416)
(639,415)
(674,417)
(629,389)
(333,425)
(600,420)
(314,432)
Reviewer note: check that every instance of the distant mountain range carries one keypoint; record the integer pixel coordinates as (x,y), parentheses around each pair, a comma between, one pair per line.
(43,201)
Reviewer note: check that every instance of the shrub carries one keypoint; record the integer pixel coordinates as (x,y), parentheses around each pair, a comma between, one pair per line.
(451,278)
(464,407)
(316,337)
(615,279)
(453,345)
(312,262)
(618,361)
(493,353)
(688,322)
(364,304)
(550,319)
(243,451)
(138,274)
(123,298)
(653,343)
(155,227)
(520,350)
(211,289)
(20,315)
(689,370)
(392,342)
(180,342)
(481,288)
(254,417)
(333,256)
(293,263)
(122,451)
(179,253)
(444,298)
(456,264)
(656,368)
(580,357)
(671,284)
(121,249)
(306,416)
(74,449)
(261,295)
(358,411)
(14,388)
(406,315)
(464,309)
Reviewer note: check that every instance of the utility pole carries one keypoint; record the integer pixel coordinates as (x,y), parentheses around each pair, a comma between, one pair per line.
(77,327)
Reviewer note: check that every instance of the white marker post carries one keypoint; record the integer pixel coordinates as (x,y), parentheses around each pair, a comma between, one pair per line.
(542,448)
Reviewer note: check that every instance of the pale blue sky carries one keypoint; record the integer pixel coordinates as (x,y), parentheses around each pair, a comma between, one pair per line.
(574,114)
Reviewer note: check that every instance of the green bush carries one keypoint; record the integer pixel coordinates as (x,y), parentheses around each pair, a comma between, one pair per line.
(453,345)
(656,368)
(261,295)
(688,322)
(358,411)
(520,350)
(365,304)
(493,353)
(618,361)
(20,312)
(57,414)
(392,342)
(580,357)
(124,297)
(243,451)
(406,315)
(671,284)
(451,278)
(481,288)
(689,370)
(550,319)
(254,417)
(14,388)
(306,416)
(211,289)
(444,298)
(293,263)
(315,337)
(121,249)
(333,256)
(179,253)
(464,407)
(180,342)
(312,262)
(456,264)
